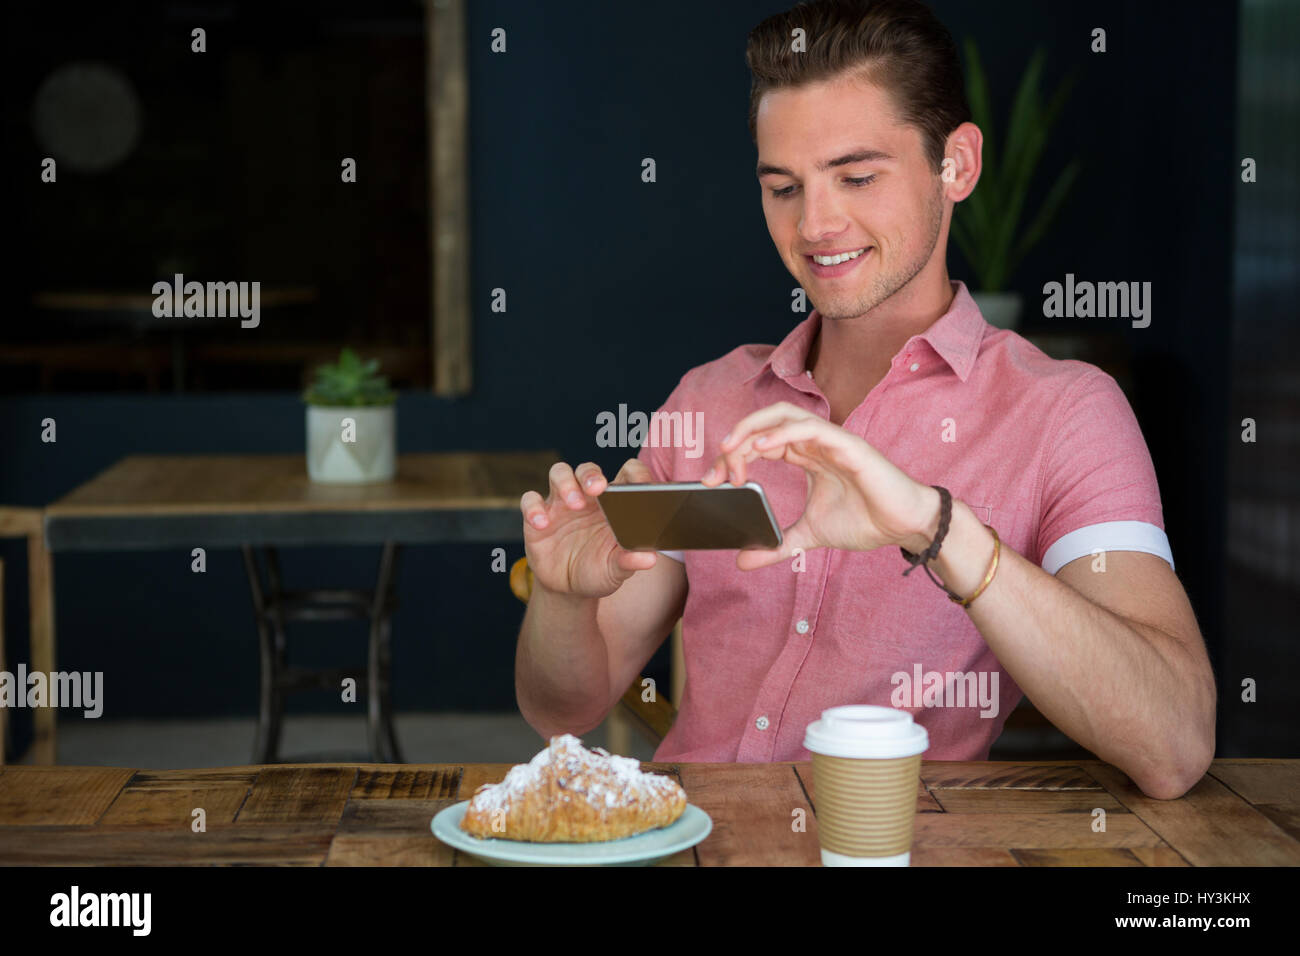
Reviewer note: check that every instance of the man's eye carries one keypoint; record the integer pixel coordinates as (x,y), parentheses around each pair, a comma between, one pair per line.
(857,181)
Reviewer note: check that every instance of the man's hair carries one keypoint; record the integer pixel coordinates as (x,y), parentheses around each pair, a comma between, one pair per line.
(897,44)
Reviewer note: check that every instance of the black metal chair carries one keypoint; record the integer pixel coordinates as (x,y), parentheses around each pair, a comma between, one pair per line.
(273,606)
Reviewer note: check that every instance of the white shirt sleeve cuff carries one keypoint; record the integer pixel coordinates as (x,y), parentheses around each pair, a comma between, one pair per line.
(1107,536)
(675,555)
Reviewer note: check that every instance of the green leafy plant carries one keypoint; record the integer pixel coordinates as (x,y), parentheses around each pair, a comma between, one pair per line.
(986,225)
(350,382)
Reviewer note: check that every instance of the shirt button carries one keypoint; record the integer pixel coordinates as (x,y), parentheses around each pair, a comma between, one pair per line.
(761,723)
(802,627)
(914,366)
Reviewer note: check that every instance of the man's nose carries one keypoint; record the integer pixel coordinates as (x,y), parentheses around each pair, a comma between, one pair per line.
(822,215)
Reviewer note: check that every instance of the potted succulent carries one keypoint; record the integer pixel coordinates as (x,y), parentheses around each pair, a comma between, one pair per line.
(351,422)
(986,226)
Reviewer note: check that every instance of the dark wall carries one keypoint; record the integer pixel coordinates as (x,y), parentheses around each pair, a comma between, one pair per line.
(616,287)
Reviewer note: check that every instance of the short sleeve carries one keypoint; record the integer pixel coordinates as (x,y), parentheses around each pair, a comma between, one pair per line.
(1098,485)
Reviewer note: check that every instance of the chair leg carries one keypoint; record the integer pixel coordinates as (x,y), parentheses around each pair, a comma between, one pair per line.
(267,737)
(379,716)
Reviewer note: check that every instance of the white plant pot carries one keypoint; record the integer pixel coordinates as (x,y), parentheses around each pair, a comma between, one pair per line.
(351,445)
(1000,309)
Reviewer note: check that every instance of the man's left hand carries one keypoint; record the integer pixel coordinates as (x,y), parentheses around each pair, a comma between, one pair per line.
(858,500)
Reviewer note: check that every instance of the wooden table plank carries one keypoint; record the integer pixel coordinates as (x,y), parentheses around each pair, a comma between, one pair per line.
(133,846)
(379,831)
(962,856)
(1035,831)
(168,798)
(752,806)
(367,849)
(192,779)
(1026,801)
(1087,856)
(380,816)
(242,484)
(1261,781)
(387,784)
(171,808)
(283,795)
(1005,775)
(1163,855)
(477,774)
(50,796)
(1209,825)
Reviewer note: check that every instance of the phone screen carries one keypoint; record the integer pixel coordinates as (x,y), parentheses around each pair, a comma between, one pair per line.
(688,516)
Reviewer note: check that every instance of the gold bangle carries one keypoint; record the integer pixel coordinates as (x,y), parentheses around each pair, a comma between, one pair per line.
(993,566)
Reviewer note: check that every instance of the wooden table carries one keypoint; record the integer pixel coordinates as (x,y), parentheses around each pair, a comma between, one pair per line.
(186,501)
(1244,812)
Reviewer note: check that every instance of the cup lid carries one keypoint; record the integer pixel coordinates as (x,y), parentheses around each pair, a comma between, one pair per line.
(862,730)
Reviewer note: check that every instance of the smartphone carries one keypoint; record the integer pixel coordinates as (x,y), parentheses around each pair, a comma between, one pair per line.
(689,516)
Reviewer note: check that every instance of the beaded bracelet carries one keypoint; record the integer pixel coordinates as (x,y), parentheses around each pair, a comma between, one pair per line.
(930,553)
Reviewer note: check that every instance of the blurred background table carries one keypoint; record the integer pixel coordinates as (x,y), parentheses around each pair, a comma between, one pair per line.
(248,501)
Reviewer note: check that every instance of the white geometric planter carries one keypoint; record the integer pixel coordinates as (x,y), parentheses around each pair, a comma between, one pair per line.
(1000,309)
(351,445)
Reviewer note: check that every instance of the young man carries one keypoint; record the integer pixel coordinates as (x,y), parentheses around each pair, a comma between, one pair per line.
(1049,527)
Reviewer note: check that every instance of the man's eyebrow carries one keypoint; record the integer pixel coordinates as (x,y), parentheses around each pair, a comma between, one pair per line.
(857,156)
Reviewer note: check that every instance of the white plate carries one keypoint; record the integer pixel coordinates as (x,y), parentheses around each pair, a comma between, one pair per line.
(686,831)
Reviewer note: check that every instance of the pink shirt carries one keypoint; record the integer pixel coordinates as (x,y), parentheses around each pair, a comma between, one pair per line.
(1046,451)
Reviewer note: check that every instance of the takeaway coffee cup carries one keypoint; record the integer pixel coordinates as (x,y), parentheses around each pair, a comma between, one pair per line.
(866,765)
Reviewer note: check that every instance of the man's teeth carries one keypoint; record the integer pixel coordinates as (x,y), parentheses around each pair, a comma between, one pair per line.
(836,260)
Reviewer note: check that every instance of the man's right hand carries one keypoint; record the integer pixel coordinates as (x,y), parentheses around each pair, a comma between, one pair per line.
(571,548)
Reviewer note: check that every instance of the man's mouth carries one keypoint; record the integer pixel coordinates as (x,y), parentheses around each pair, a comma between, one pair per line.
(835,260)
(830,265)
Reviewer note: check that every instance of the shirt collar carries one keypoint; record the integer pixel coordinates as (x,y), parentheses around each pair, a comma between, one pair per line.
(955,336)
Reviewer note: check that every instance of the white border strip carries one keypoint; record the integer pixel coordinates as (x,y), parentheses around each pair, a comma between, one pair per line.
(676,555)
(1108,536)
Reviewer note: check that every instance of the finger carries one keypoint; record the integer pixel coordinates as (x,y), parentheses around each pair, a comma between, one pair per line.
(821,434)
(742,452)
(796,536)
(717,472)
(634,472)
(564,487)
(761,419)
(533,509)
(635,560)
(590,477)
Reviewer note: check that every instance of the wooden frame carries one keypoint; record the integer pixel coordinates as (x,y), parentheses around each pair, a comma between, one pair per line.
(30,523)
(448,112)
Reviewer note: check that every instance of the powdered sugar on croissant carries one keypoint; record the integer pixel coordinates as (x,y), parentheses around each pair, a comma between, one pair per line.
(569,794)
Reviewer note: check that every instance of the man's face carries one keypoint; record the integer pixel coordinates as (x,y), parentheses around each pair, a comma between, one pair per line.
(839,174)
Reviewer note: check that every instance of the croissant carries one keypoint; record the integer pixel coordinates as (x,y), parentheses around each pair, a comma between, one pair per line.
(569,794)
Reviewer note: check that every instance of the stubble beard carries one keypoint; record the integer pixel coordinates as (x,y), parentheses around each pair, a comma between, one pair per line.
(885,284)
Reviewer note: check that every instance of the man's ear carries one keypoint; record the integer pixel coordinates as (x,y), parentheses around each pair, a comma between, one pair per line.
(962,161)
